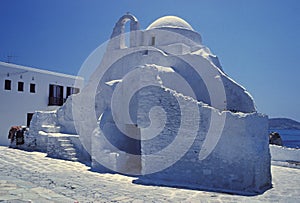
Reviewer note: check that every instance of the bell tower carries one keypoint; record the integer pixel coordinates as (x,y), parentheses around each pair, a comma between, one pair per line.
(117,39)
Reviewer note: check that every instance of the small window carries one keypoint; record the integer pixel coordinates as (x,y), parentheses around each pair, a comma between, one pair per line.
(32,88)
(7,85)
(152,41)
(72,90)
(20,86)
(145,53)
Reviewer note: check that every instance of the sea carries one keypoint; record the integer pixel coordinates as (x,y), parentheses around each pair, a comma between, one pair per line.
(290,138)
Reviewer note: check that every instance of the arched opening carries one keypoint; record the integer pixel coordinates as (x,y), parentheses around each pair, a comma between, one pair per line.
(123,35)
(126,35)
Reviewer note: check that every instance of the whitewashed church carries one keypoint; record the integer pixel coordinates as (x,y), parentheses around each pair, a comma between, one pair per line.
(159,106)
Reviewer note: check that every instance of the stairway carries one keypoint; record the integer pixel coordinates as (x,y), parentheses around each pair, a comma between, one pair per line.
(61,148)
(68,152)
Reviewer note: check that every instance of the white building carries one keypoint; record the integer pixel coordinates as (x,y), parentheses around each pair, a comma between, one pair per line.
(160,106)
(25,90)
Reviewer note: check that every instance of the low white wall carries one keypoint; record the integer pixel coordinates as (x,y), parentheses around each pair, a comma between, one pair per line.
(279,153)
(240,161)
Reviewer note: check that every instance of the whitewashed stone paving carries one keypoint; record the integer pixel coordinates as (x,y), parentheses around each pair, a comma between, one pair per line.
(33,177)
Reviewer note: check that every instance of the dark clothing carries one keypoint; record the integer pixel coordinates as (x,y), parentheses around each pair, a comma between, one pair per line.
(20,137)
(16,132)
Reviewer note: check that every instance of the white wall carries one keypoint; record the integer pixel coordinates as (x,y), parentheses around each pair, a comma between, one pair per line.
(279,153)
(237,158)
(15,105)
(240,161)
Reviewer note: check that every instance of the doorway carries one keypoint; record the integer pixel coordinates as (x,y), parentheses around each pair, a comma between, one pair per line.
(29,117)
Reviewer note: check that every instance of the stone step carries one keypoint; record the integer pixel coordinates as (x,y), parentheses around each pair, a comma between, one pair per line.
(73,159)
(64,141)
(69,156)
(70,152)
(67,145)
(69,148)
(50,128)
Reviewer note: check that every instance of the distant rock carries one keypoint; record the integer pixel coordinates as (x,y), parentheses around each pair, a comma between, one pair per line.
(275,138)
(283,124)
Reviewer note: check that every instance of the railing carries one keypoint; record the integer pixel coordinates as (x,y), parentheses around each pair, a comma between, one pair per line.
(55,101)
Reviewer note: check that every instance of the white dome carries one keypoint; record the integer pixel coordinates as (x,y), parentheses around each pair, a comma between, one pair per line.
(170,22)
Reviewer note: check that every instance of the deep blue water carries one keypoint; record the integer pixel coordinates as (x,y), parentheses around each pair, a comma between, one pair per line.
(290,138)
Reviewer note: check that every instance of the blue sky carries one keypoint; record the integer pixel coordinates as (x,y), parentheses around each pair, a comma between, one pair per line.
(257,41)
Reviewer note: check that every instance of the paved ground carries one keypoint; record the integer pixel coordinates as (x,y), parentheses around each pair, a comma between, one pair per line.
(33,177)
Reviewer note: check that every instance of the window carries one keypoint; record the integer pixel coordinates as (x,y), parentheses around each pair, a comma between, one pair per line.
(152,41)
(72,90)
(20,86)
(7,85)
(32,88)
(145,53)
(56,93)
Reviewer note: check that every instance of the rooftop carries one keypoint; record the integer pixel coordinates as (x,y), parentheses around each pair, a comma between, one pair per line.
(170,22)
(25,68)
